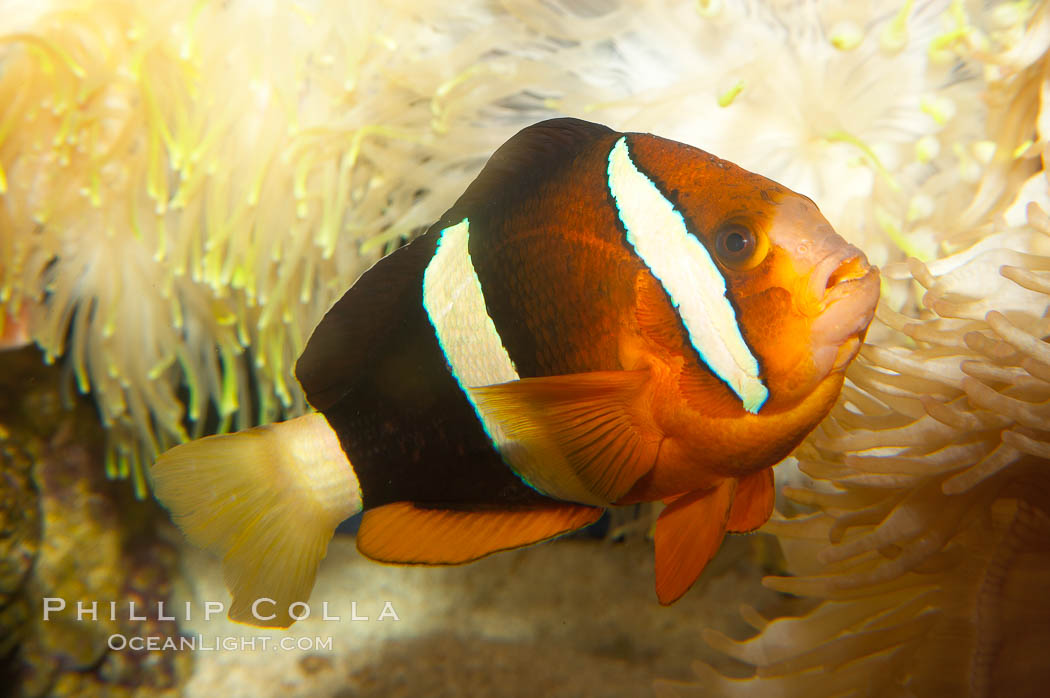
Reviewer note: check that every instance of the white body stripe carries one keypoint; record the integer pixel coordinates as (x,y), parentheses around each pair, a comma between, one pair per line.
(455,305)
(692,280)
(454,302)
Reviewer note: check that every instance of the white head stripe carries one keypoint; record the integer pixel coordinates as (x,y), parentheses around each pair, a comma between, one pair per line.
(455,304)
(692,280)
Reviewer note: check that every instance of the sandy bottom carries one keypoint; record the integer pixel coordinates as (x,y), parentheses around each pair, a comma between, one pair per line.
(570,618)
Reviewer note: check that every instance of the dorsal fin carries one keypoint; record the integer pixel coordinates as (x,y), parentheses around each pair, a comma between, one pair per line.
(533,154)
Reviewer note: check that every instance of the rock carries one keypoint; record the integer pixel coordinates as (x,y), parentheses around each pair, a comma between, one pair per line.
(68,533)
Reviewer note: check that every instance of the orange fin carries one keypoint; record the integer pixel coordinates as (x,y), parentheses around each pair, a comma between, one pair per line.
(405,533)
(753,502)
(575,437)
(688,534)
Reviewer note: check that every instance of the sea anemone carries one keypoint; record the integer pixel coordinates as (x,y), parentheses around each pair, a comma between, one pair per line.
(186,187)
(798,91)
(931,549)
(927,544)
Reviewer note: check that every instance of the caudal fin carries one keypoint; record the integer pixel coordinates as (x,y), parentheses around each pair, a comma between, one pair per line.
(267,501)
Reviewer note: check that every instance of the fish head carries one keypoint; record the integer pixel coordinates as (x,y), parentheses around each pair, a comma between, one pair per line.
(833,290)
(805,297)
(801,296)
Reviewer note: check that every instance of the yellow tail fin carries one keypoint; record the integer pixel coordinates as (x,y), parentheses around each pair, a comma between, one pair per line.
(266,500)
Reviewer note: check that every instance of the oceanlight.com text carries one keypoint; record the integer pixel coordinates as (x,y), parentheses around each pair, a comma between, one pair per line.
(208,643)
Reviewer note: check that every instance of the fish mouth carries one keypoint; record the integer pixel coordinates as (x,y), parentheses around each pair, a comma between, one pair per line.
(852,292)
(839,267)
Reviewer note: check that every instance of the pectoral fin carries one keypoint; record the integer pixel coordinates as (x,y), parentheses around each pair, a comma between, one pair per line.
(405,533)
(753,502)
(688,534)
(580,437)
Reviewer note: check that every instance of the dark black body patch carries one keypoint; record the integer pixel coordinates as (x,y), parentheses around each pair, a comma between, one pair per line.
(374,368)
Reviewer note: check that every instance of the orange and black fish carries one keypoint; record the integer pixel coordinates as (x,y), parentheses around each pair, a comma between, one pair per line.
(601,318)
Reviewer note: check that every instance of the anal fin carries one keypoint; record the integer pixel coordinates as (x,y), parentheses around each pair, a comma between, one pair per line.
(405,533)
(753,502)
(688,534)
(579,437)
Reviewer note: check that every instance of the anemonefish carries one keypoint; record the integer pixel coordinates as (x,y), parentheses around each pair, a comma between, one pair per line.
(601,319)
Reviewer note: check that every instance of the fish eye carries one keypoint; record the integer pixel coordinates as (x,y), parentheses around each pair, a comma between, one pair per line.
(738,247)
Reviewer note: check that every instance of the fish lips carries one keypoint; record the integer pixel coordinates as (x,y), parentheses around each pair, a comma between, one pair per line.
(849,307)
